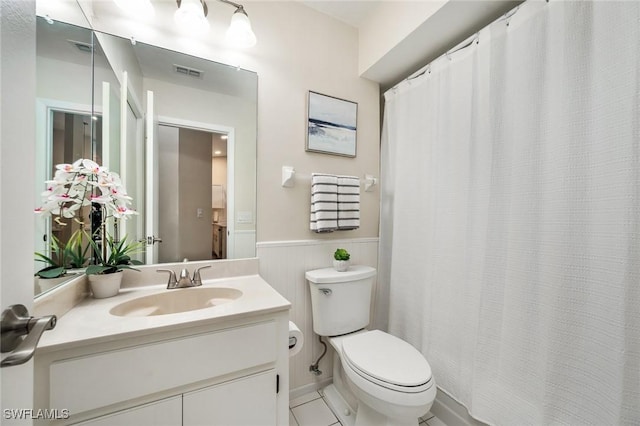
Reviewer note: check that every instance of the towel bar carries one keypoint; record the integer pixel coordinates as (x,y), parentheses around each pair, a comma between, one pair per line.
(289,179)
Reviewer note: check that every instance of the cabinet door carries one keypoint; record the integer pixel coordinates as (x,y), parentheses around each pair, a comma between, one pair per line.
(249,401)
(166,412)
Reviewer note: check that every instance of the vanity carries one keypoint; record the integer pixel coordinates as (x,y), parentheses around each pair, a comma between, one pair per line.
(210,355)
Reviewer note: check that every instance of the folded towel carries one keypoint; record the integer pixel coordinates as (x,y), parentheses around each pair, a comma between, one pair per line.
(348,201)
(324,203)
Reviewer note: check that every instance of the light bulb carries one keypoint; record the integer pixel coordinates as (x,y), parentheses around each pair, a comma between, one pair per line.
(190,17)
(240,33)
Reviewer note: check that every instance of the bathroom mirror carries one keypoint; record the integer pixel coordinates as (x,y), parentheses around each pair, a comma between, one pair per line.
(204,118)
(206,195)
(64,107)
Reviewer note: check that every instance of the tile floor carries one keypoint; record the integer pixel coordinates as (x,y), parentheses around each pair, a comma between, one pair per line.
(312,410)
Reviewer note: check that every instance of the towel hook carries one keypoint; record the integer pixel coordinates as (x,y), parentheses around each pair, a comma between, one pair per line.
(369,182)
(288,176)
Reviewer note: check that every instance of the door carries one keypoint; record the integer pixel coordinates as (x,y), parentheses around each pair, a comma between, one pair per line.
(248,401)
(166,412)
(17,131)
(151,177)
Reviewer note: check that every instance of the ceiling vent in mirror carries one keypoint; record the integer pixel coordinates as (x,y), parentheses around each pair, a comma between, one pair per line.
(191,72)
(82,46)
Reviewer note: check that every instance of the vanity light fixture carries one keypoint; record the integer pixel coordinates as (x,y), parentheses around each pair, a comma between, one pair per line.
(191,16)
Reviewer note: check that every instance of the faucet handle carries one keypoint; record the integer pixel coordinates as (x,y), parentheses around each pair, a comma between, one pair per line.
(173,282)
(197,279)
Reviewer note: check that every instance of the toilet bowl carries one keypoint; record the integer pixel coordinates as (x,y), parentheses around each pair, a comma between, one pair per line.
(390,380)
(381,378)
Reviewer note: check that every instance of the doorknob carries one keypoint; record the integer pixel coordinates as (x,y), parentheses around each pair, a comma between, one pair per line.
(151,240)
(15,323)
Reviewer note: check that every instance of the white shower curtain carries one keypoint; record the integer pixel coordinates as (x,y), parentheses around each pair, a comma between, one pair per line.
(510,236)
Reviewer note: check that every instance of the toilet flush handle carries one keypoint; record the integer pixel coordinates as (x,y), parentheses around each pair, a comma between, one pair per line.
(326,291)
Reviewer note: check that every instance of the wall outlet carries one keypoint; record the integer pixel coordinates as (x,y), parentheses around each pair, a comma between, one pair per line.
(199,212)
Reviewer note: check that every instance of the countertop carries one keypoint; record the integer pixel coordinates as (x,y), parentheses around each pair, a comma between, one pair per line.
(90,322)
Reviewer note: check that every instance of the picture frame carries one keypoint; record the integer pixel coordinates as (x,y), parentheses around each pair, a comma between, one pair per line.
(332,125)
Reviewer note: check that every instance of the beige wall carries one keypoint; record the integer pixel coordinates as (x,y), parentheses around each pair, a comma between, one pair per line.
(304,50)
(299,49)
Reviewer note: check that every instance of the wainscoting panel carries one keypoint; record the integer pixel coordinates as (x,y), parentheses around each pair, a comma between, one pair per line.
(283,265)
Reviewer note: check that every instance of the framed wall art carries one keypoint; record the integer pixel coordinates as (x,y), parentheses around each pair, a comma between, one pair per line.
(331,125)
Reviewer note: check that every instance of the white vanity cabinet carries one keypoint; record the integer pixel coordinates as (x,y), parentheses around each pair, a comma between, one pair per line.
(249,401)
(167,412)
(225,373)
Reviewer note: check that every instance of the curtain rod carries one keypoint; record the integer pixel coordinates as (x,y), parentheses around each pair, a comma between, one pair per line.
(461,46)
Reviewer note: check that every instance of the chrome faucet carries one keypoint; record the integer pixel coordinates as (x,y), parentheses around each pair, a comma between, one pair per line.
(173,282)
(197,279)
(184,281)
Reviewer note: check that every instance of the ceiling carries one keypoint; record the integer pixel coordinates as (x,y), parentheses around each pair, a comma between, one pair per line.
(455,21)
(354,13)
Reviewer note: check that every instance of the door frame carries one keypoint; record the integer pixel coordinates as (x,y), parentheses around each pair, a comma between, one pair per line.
(230,132)
(44,162)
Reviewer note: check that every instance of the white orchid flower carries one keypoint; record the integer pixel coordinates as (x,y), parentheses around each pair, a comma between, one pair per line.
(92,167)
(80,184)
(100,199)
(123,212)
(68,168)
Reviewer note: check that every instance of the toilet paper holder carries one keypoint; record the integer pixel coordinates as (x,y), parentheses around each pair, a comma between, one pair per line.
(293,340)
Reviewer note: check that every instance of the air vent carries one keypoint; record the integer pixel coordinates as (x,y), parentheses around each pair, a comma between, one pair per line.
(81,46)
(191,72)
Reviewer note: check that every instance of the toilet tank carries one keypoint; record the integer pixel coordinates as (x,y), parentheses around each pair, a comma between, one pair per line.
(340,301)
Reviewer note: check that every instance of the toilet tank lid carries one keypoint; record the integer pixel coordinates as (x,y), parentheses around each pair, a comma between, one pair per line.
(330,275)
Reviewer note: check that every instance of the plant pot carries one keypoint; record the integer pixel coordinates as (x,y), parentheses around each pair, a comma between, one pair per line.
(105,285)
(46,284)
(341,265)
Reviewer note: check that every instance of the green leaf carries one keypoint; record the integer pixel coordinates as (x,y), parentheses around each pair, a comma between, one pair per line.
(97,269)
(341,254)
(51,272)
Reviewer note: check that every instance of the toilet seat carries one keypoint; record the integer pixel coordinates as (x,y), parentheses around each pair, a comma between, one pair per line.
(387,361)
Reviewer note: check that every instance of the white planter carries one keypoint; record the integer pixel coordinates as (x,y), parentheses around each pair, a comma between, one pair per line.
(107,285)
(46,284)
(340,265)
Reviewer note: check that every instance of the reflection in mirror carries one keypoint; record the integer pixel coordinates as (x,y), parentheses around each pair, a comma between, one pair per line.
(204,133)
(63,132)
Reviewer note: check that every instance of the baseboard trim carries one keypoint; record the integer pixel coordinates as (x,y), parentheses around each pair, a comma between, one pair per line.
(451,412)
(305,389)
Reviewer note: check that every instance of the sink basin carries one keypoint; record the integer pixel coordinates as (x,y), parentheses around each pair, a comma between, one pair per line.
(176,301)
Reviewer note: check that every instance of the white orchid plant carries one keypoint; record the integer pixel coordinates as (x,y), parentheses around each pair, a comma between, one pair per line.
(81,184)
(84,184)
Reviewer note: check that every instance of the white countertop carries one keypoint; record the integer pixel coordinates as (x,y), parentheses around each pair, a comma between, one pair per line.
(90,322)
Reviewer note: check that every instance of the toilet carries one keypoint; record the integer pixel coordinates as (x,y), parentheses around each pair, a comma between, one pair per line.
(378,379)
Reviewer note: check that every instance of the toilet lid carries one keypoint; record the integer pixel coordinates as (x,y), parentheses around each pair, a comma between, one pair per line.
(387,358)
